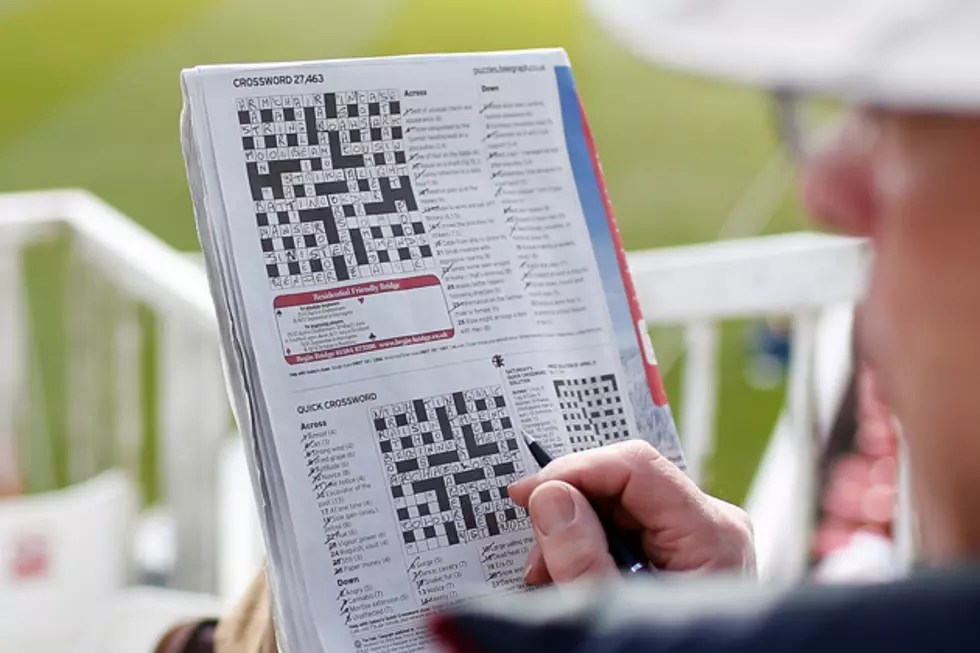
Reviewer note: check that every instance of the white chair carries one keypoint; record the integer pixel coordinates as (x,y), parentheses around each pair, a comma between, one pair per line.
(63,554)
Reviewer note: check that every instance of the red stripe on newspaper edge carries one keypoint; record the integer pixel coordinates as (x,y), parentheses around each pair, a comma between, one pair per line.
(652,371)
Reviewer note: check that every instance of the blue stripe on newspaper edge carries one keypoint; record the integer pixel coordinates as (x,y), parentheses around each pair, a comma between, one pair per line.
(590,197)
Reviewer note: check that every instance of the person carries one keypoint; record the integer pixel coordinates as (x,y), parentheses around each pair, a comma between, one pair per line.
(768,352)
(900,169)
(855,530)
(905,178)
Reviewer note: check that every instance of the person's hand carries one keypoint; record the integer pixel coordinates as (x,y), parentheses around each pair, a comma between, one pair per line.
(682,528)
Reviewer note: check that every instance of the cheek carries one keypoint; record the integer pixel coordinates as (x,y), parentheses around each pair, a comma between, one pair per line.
(884,327)
(922,313)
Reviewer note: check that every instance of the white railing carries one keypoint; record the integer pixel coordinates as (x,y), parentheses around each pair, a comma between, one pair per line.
(814,279)
(116,270)
(121,293)
(798,275)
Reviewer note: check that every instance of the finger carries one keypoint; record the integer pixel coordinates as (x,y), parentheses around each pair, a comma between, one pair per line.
(648,486)
(624,519)
(724,541)
(608,505)
(520,497)
(590,470)
(535,570)
(568,532)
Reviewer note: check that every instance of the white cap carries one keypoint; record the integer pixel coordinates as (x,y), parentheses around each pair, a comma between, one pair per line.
(910,53)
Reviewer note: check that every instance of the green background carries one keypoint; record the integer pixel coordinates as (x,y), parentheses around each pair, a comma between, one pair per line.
(91,99)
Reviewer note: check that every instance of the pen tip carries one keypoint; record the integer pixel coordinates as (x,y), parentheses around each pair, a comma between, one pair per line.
(527,438)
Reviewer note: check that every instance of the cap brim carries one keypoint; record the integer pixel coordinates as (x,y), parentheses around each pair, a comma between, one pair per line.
(909,52)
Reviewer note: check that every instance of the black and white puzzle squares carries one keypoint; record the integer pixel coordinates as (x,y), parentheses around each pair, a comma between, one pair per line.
(449,459)
(332,187)
(592,408)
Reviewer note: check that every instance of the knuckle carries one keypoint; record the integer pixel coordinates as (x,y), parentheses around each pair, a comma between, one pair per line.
(740,522)
(747,527)
(736,538)
(637,452)
(628,450)
(741,530)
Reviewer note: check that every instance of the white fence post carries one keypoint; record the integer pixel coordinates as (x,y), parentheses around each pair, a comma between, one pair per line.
(802,415)
(81,392)
(128,343)
(12,368)
(699,396)
(36,444)
(194,418)
(906,525)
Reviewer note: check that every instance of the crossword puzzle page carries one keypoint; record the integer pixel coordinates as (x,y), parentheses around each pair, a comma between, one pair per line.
(413,262)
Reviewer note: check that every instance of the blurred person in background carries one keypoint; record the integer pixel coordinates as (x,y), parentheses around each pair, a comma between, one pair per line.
(902,170)
(856,511)
(769,349)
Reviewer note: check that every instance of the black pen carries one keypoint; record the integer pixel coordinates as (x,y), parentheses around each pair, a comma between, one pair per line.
(618,548)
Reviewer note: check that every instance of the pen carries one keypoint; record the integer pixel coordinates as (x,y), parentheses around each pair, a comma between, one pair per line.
(618,548)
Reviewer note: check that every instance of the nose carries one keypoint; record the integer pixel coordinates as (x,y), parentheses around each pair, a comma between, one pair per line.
(836,181)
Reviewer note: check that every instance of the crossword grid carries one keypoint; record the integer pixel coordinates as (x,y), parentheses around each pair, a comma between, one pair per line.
(331,187)
(593,411)
(449,460)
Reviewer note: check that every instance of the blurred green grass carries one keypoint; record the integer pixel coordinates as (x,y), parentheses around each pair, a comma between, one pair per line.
(92,101)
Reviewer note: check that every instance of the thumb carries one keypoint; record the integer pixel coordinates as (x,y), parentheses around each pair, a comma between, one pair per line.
(569,534)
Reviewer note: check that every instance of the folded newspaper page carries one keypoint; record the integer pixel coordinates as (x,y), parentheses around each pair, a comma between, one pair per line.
(413,260)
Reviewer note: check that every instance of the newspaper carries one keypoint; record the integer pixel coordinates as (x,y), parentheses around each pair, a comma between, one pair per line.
(413,260)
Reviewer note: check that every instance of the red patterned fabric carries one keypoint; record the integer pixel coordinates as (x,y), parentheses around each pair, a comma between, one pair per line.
(860,494)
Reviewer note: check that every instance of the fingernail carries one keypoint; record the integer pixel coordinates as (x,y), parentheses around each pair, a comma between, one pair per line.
(553,508)
(527,572)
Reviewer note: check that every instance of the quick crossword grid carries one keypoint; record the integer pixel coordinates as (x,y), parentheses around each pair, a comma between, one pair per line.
(331,187)
(449,459)
(592,408)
